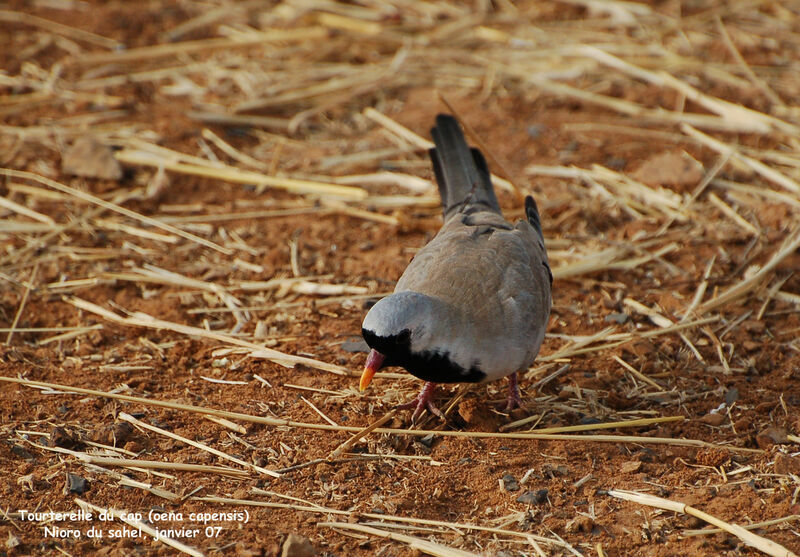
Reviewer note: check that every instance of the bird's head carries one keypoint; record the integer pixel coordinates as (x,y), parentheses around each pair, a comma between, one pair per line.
(390,328)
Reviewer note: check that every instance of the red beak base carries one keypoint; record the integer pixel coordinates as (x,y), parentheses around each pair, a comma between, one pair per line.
(374,363)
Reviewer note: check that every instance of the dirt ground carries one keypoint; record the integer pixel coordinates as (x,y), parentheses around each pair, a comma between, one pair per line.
(172,267)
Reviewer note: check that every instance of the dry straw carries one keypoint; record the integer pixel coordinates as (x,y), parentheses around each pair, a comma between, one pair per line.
(767,546)
(394,431)
(329,140)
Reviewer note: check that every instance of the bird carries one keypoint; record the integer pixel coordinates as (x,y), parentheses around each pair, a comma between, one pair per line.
(473,304)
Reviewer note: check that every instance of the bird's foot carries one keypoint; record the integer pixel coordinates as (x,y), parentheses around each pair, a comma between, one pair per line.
(513,400)
(423,401)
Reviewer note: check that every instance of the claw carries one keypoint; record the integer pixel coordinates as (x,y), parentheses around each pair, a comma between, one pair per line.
(513,400)
(423,401)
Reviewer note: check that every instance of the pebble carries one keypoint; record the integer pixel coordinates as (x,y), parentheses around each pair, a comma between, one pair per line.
(620,318)
(713,418)
(89,158)
(533,497)
(535,130)
(510,483)
(297,546)
(731,396)
(426,441)
(771,436)
(355,346)
(20,451)
(60,437)
(76,484)
(630,466)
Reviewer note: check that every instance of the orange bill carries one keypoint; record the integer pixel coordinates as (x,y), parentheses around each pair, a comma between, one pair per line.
(374,363)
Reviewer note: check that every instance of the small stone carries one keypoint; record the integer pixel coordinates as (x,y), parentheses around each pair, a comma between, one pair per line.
(616,163)
(355,346)
(535,130)
(115,435)
(552,472)
(754,326)
(713,419)
(619,318)
(89,158)
(751,345)
(76,484)
(20,451)
(743,424)
(694,522)
(771,436)
(590,420)
(510,483)
(533,497)
(467,410)
(60,437)
(133,446)
(297,546)
(731,396)
(641,347)
(630,466)
(426,441)
(678,170)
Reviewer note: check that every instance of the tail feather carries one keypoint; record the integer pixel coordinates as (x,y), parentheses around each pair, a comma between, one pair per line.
(461,173)
(532,213)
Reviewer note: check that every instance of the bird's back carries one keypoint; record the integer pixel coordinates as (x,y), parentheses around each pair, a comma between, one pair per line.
(492,276)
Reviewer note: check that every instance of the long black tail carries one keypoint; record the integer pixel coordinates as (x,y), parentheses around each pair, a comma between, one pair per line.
(461,173)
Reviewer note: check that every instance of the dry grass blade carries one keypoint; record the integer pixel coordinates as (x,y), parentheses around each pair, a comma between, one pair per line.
(138,423)
(415,432)
(642,422)
(418,544)
(755,526)
(659,115)
(140,319)
(744,287)
(191,47)
(767,172)
(248,120)
(112,207)
(347,445)
(323,193)
(238,176)
(22,210)
(457,526)
(145,465)
(125,517)
(731,213)
(59,28)
(753,540)
(735,114)
(419,142)
(22,302)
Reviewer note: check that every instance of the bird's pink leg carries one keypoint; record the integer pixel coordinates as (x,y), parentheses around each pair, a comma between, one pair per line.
(424,400)
(513,400)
